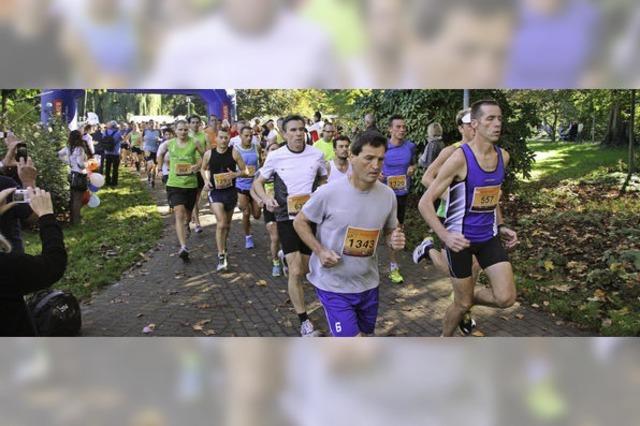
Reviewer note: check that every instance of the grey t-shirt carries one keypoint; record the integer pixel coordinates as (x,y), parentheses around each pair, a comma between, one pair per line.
(352,223)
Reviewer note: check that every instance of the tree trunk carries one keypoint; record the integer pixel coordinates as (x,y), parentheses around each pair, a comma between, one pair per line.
(616,130)
(631,142)
(554,127)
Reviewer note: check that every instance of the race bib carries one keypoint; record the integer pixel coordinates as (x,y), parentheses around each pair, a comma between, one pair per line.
(183,169)
(485,199)
(397,183)
(223,180)
(295,203)
(252,170)
(360,242)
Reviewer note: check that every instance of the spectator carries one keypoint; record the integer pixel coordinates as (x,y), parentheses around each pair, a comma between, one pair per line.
(11,220)
(76,154)
(112,153)
(434,145)
(21,274)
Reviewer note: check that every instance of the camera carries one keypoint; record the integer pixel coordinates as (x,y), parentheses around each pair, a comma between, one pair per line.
(21,151)
(21,196)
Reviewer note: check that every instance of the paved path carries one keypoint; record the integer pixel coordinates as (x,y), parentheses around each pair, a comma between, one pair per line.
(194,300)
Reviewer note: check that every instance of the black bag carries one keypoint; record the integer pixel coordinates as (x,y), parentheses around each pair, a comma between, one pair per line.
(55,313)
(108,142)
(78,181)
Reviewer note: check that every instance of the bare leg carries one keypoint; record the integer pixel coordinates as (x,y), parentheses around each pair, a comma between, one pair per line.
(222,226)
(180,214)
(275,239)
(462,301)
(196,209)
(298,267)
(502,293)
(244,205)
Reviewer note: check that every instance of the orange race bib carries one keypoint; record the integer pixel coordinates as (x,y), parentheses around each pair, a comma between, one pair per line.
(295,203)
(223,180)
(485,199)
(397,183)
(360,242)
(252,170)
(183,169)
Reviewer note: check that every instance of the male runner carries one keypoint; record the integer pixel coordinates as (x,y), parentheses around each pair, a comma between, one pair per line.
(397,170)
(340,166)
(219,170)
(351,216)
(184,163)
(151,142)
(251,155)
(296,169)
(325,144)
(196,132)
(474,225)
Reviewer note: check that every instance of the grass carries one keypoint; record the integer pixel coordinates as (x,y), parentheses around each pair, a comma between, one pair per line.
(110,239)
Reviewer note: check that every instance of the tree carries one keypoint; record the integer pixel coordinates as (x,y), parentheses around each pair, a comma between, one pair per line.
(631,143)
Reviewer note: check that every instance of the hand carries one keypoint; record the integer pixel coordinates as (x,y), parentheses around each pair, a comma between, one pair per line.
(4,206)
(456,241)
(12,147)
(27,173)
(411,170)
(195,168)
(397,240)
(40,201)
(271,204)
(328,258)
(207,186)
(508,237)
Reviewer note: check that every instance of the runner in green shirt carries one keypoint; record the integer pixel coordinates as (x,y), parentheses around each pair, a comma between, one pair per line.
(325,144)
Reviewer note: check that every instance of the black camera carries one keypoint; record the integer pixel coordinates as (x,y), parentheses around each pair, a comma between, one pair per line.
(21,151)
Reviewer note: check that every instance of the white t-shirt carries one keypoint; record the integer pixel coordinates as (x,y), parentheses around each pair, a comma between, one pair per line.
(335,173)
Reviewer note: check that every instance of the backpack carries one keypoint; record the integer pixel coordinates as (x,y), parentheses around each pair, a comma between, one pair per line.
(55,313)
(108,142)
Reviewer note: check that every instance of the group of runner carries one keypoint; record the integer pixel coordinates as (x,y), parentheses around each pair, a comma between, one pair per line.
(330,232)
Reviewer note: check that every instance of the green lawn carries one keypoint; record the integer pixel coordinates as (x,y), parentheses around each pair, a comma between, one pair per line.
(560,160)
(111,237)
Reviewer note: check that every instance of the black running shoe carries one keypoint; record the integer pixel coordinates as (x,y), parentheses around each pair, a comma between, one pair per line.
(184,255)
(467,324)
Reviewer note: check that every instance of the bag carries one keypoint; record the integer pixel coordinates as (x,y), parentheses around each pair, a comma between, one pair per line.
(55,313)
(78,181)
(108,142)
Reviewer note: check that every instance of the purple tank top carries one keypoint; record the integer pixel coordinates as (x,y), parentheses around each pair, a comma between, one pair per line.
(472,205)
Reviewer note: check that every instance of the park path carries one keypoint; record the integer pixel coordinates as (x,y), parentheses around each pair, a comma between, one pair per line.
(194,300)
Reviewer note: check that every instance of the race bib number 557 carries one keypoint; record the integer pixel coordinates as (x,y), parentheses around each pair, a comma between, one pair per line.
(360,242)
(485,199)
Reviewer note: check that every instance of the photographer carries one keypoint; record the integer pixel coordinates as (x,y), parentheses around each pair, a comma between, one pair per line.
(76,154)
(22,274)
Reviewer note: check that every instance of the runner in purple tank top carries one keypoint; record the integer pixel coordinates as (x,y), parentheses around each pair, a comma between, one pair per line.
(474,226)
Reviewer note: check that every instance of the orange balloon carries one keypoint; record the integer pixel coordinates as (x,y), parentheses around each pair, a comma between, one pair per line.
(92,165)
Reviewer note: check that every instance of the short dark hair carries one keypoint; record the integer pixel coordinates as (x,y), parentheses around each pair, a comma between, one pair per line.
(371,137)
(328,123)
(395,117)
(194,116)
(476,107)
(317,115)
(246,128)
(287,119)
(341,138)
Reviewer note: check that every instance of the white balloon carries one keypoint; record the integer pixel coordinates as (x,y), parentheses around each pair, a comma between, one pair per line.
(96,180)
(94,201)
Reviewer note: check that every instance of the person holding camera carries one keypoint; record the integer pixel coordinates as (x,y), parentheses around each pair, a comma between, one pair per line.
(76,154)
(20,273)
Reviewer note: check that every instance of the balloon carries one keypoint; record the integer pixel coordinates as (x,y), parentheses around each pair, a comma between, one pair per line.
(97,180)
(85,197)
(92,188)
(92,165)
(94,201)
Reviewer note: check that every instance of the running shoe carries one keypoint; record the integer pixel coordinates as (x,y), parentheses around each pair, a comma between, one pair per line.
(467,324)
(198,229)
(307,330)
(276,271)
(222,263)
(283,262)
(422,250)
(184,254)
(248,242)
(395,276)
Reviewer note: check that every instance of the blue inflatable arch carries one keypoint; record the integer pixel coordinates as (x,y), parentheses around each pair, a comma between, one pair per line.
(64,102)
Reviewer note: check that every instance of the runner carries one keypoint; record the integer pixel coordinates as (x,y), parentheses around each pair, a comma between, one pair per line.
(200,136)
(151,142)
(135,140)
(340,166)
(270,221)
(474,224)
(219,167)
(427,248)
(167,135)
(212,131)
(251,155)
(344,263)
(182,184)
(296,169)
(397,170)
(325,144)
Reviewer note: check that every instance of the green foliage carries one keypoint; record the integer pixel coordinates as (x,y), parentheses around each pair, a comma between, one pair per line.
(423,107)
(111,237)
(43,144)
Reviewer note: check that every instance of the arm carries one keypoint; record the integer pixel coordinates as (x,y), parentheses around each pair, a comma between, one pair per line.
(454,167)
(196,168)
(507,235)
(432,171)
(258,189)
(327,257)
(204,171)
(162,151)
(244,171)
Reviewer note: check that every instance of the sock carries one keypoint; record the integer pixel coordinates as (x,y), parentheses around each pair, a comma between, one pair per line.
(184,248)
(303,317)
(393,265)
(276,261)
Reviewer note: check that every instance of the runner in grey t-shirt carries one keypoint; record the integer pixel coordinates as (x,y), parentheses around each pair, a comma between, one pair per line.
(352,216)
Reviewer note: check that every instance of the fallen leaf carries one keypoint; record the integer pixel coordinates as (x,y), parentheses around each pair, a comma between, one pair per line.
(545,303)
(209,332)
(261,283)
(477,333)
(535,305)
(548,266)
(149,329)
(519,316)
(199,326)
(203,306)
(562,287)
(607,322)
(139,315)
(504,318)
